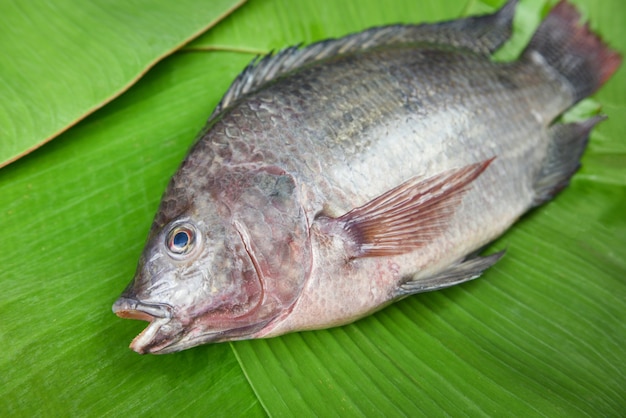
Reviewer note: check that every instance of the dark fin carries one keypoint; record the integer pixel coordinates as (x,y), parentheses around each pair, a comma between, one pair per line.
(406,217)
(566,147)
(481,34)
(468,269)
(574,51)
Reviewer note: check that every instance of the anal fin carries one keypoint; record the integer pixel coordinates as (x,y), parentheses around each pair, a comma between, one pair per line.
(566,147)
(468,269)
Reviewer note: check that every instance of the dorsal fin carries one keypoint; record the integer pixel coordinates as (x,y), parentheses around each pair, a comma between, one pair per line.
(480,34)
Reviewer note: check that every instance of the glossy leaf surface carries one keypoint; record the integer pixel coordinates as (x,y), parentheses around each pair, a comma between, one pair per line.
(62,60)
(541,333)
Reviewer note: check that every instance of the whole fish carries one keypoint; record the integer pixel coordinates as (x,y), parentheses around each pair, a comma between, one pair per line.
(335,179)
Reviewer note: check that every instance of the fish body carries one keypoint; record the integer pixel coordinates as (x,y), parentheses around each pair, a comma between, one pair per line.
(335,179)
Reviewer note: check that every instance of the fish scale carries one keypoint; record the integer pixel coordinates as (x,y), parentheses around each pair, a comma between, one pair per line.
(395,146)
(334,179)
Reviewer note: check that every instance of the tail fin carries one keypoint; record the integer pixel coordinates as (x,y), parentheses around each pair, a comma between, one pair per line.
(574,51)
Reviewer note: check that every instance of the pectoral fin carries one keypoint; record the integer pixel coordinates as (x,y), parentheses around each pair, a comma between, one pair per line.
(464,271)
(406,217)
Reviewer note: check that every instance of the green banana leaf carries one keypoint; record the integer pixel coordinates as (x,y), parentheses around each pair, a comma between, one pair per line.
(61,60)
(542,333)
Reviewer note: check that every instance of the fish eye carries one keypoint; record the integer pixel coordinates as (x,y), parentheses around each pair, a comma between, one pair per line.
(181,240)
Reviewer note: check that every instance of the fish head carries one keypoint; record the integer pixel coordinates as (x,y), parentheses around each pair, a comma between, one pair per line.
(230,261)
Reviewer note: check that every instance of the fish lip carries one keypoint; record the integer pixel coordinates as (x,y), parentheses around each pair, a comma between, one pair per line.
(149,341)
(131,308)
(159,317)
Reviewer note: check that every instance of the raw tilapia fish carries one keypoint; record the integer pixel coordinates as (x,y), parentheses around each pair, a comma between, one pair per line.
(334,179)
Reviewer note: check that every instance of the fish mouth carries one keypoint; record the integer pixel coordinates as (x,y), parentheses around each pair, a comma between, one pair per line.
(133,309)
(159,333)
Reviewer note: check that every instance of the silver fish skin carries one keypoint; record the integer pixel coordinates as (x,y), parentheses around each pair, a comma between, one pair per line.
(337,178)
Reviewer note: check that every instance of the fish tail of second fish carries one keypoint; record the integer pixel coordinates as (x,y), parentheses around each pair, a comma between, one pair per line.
(575,52)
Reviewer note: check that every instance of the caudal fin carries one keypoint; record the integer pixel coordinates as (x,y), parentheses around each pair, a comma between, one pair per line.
(574,51)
